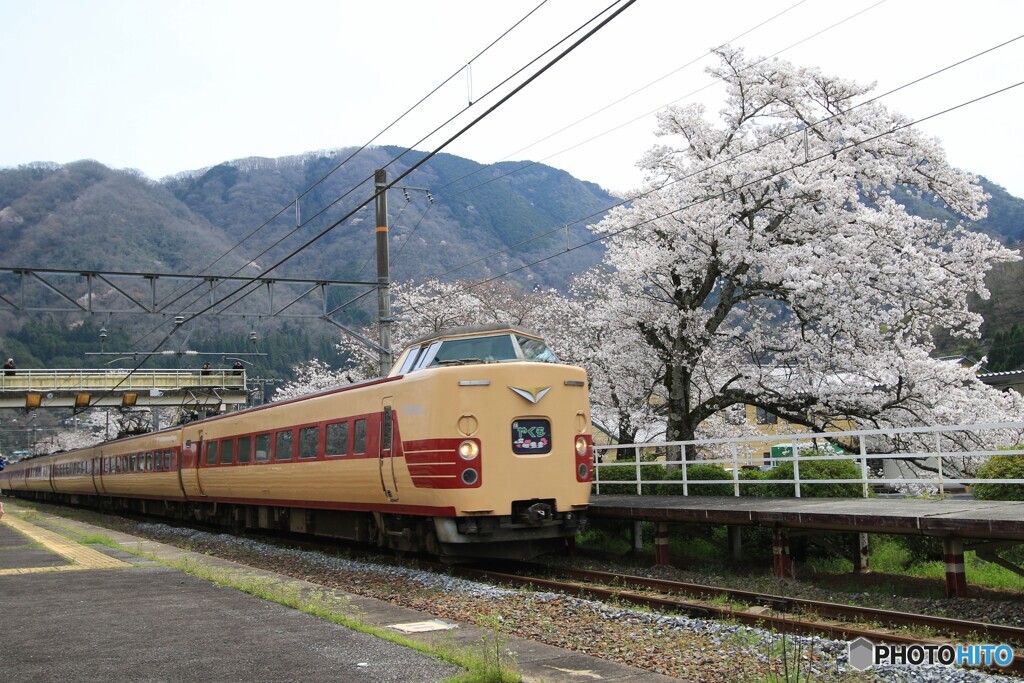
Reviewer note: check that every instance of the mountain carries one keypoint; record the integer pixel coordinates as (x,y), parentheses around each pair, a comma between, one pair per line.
(448,213)
(472,211)
(1005,220)
(85,215)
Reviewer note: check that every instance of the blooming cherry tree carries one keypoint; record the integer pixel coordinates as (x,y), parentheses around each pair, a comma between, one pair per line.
(770,262)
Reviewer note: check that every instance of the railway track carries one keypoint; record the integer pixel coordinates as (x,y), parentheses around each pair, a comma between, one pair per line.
(789,615)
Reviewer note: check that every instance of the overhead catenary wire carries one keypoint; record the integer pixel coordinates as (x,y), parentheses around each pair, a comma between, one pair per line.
(756,148)
(755,181)
(604,22)
(623,125)
(625,4)
(617,101)
(817,33)
(363,147)
(568,50)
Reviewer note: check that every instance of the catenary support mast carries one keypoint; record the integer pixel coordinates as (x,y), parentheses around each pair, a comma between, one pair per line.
(383,274)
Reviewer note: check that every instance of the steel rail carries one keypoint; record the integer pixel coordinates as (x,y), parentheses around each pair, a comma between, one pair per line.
(1003,633)
(783,622)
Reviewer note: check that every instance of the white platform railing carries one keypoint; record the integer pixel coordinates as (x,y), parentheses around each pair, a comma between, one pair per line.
(954,453)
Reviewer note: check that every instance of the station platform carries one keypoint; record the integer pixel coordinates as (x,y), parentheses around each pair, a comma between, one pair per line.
(987,523)
(77,612)
(963,518)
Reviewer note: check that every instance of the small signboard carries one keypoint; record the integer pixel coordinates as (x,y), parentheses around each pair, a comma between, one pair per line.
(424,626)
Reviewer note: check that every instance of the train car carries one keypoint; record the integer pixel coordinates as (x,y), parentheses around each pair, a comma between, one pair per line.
(476,444)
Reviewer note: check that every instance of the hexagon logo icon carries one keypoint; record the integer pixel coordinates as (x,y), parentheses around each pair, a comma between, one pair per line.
(861,653)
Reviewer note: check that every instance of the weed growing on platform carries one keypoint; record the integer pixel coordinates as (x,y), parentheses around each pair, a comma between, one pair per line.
(489,662)
(99,539)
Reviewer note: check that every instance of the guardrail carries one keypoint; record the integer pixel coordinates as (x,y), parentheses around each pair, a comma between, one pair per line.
(41,380)
(954,452)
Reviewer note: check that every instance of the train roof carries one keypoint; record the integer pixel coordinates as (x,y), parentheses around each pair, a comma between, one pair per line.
(469,330)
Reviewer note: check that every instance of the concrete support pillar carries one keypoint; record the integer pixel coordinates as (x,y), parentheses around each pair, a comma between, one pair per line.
(780,553)
(735,543)
(956,578)
(638,537)
(661,543)
(860,553)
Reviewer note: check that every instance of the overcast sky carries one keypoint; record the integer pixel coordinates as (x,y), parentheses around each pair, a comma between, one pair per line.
(177,85)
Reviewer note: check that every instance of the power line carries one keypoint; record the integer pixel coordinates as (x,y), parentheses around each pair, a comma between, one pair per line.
(612,104)
(631,121)
(566,51)
(309,189)
(756,148)
(677,100)
(733,190)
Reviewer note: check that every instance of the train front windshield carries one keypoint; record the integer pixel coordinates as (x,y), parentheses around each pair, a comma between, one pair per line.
(485,349)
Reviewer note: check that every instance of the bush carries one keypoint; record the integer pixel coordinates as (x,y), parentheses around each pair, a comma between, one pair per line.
(812,469)
(1001,467)
(648,472)
(697,473)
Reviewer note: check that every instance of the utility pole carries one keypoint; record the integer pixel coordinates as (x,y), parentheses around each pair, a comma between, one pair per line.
(380,179)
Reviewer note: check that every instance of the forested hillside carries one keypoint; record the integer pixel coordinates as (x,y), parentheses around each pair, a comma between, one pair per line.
(472,211)
(449,213)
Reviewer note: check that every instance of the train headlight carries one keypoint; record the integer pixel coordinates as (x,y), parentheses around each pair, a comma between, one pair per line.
(581,446)
(468,450)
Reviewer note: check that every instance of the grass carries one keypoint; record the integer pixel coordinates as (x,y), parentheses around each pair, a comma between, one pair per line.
(888,556)
(99,539)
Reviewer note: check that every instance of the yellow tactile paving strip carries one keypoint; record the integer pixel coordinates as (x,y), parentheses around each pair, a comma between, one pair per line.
(80,556)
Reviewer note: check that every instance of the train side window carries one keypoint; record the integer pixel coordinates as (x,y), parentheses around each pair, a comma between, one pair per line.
(337,438)
(359,446)
(211,452)
(309,442)
(283,445)
(133,462)
(244,449)
(227,451)
(167,460)
(263,447)
(149,461)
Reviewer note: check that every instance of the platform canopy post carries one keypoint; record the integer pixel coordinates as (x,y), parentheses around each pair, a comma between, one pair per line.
(780,554)
(860,553)
(956,578)
(661,556)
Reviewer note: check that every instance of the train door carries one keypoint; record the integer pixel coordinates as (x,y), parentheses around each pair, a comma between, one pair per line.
(385,452)
(97,474)
(192,456)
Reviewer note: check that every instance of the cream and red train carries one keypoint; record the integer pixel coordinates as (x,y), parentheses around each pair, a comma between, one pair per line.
(477,444)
